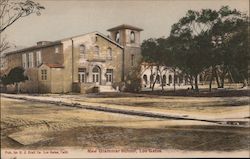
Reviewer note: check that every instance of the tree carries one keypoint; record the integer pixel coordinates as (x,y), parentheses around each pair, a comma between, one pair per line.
(13,10)
(15,76)
(133,81)
(223,31)
(155,54)
(196,49)
(237,48)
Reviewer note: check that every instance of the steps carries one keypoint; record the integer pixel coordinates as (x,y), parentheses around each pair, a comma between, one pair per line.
(107,88)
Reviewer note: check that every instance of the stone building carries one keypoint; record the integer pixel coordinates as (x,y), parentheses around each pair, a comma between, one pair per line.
(79,63)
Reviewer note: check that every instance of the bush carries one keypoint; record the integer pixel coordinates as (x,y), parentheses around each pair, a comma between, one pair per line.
(133,82)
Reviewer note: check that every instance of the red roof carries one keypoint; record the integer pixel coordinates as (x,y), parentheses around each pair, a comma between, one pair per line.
(53,65)
(125,26)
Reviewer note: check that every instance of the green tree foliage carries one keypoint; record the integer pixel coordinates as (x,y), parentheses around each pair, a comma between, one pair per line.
(15,76)
(215,40)
(156,52)
(238,52)
(204,41)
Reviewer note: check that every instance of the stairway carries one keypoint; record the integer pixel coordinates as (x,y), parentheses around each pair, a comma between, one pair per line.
(107,88)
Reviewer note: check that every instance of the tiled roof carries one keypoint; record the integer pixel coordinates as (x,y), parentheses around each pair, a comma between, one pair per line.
(125,26)
(54,65)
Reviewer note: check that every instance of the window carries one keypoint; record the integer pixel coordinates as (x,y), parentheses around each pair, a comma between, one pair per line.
(164,80)
(38,58)
(31,61)
(145,78)
(181,79)
(82,75)
(44,75)
(109,75)
(82,49)
(132,60)
(117,37)
(56,50)
(176,78)
(170,79)
(132,37)
(24,60)
(151,78)
(96,50)
(109,53)
(96,39)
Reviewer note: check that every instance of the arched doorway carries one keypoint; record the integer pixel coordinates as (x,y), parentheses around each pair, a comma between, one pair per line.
(96,75)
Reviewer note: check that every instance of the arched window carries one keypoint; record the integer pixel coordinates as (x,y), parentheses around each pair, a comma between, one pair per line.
(96,69)
(176,79)
(82,49)
(181,79)
(151,78)
(164,80)
(158,79)
(117,37)
(109,53)
(145,78)
(169,79)
(200,78)
(186,80)
(132,37)
(97,50)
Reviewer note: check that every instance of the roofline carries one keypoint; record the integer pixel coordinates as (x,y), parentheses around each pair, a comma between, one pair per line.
(48,65)
(33,48)
(97,33)
(76,36)
(60,42)
(125,26)
(112,41)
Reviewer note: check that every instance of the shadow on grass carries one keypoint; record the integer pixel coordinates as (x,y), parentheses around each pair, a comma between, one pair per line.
(201,138)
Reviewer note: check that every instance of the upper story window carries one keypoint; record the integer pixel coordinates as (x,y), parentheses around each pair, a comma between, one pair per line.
(24,60)
(96,50)
(96,39)
(56,50)
(117,37)
(132,37)
(38,58)
(31,61)
(82,49)
(132,60)
(109,53)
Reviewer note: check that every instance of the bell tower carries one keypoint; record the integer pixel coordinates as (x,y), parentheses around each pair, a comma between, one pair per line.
(126,35)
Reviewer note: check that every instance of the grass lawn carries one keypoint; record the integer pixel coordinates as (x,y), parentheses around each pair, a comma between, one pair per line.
(38,125)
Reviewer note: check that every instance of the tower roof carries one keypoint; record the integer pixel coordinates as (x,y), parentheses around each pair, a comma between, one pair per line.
(125,26)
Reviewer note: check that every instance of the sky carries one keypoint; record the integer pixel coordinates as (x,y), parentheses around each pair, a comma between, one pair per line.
(66,18)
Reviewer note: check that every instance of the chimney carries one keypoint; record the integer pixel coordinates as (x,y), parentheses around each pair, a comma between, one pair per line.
(40,43)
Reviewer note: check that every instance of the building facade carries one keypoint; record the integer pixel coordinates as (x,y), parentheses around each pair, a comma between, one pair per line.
(163,76)
(80,63)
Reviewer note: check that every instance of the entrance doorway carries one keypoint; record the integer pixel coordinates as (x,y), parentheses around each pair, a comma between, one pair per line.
(96,75)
